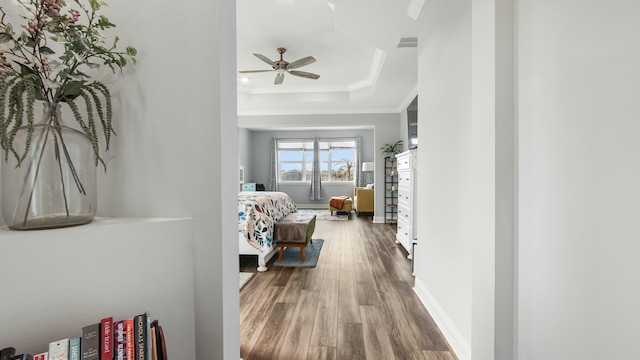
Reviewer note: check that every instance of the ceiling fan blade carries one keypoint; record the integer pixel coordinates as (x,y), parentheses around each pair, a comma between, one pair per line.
(301,62)
(265,59)
(253,71)
(279,79)
(305,74)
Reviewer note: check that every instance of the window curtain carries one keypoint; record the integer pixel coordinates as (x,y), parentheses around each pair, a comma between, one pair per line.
(273,166)
(358,178)
(316,179)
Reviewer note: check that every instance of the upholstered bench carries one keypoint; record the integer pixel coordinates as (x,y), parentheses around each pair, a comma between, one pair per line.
(294,230)
(336,201)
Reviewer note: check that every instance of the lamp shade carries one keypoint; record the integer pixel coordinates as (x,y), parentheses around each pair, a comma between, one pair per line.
(368,166)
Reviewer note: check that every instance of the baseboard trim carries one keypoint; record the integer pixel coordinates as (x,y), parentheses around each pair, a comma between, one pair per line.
(378,220)
(458,344)
(313,206)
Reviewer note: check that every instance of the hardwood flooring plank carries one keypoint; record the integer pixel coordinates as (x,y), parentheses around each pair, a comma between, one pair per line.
(253,290)
(291,292)
(376,339)
(321,353)
(325,327)
(367,294)
(348,306)
(313,279)
(271,338)
(258,315)
(420,321)
(403,341)
(439,355)
(350,342)
(296,343)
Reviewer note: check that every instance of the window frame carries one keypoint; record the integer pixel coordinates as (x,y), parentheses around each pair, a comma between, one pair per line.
(304,162)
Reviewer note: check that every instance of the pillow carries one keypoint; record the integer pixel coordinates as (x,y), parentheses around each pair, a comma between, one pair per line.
(369,186)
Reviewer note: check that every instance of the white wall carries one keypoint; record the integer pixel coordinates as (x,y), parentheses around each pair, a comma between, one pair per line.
(579,85)
(443,255)
(176,151)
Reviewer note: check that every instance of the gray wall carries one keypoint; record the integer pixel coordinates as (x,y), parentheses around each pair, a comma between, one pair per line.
(245,157)
(260,141)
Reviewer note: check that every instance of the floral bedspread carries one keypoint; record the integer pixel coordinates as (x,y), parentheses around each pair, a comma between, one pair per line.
(257,214)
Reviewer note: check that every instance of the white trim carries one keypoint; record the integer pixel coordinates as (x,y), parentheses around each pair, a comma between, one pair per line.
(415,8)
(378,220)
(457,342)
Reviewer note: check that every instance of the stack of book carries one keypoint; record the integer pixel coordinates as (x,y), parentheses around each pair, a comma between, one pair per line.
(137,338)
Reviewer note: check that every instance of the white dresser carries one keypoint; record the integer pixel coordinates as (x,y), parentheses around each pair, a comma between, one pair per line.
(406,233)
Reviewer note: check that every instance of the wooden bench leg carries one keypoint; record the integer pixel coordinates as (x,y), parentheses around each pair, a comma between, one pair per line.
(304,257)
(281,253)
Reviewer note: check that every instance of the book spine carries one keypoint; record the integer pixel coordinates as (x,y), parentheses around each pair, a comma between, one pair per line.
(130,344)
(74,349)
(154,344)
(7,353)
(42,356)
(59,350)
(148,340)
(140,336)
(90,342)
(22,357)
(106,332)
(119,340)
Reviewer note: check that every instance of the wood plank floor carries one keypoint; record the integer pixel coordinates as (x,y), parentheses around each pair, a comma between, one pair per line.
(358,303)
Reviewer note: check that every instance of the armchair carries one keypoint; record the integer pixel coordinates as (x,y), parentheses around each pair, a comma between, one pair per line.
(363,200)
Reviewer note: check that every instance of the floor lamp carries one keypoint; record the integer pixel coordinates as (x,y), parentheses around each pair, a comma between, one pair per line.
(368,167)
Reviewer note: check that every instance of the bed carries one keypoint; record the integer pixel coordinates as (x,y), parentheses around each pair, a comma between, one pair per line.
(258,212)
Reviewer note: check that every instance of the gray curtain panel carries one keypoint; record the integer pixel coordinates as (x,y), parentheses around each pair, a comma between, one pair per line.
(273,166)
(316,180)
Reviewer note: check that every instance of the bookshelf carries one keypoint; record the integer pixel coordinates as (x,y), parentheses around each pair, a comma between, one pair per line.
(390,191)
(61,280)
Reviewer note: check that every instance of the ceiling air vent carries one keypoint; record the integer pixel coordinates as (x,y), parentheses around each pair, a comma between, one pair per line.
(408,41)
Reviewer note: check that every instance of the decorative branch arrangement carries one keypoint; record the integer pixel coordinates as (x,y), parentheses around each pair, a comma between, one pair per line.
(48,61)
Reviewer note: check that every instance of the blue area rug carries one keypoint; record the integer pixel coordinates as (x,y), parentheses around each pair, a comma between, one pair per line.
(292,258)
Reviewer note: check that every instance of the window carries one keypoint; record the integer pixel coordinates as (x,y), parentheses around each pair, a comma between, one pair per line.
(337,159)
(295,159)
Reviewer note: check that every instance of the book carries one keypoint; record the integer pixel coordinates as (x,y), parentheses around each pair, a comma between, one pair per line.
(7,353)
(106,333)
(22,357)
(129,339)
(89,343)
(119,340)
(42,356)
(74,348)
(161,350)
(140,336)
(154,343)
(59,350)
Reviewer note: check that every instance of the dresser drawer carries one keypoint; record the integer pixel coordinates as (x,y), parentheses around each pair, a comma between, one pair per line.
(404,212)
(404,179)
(404,162)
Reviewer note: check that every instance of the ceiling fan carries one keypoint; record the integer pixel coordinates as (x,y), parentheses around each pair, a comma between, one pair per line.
(281,67)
